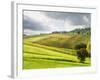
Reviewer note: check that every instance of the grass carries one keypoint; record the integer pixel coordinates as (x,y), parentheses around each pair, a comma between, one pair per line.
(63,40)
(47,51)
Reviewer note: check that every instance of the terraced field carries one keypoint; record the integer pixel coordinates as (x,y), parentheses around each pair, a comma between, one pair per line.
(50,51)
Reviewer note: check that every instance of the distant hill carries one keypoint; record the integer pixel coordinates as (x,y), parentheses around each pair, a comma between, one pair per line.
(79,30)
(64,40)
(84,30)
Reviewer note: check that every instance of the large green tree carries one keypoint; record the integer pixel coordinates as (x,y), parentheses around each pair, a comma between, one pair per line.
(82,53)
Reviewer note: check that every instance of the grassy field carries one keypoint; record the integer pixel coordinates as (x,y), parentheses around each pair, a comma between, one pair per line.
(53,51)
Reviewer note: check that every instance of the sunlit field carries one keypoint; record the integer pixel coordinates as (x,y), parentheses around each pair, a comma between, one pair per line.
(54,50)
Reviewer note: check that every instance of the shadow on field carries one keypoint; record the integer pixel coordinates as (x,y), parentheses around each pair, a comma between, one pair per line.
(63,52)
(30,59)
(38,53)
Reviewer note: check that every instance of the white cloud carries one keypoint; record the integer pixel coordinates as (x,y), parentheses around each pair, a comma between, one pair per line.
(31,32)
(68,25)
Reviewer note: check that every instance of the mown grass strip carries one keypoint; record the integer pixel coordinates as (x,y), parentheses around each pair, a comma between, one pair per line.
(48,57)
(37,50)
(36,63)
(62,50)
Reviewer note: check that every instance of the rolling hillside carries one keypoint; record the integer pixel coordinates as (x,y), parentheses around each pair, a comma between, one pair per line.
(53,50)
(64,40)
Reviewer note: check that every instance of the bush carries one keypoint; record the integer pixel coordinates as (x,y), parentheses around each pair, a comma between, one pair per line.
(82,53)
(79,46)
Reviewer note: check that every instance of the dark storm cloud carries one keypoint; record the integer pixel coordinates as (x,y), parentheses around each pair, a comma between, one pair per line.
(28,23)
(74,18)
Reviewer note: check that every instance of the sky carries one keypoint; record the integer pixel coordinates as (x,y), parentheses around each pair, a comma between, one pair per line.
(38,22)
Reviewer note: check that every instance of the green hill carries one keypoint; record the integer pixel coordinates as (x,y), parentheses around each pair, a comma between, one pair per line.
(64,40)
(53,50)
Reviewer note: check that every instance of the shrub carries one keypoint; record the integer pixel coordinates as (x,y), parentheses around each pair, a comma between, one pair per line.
(82,53)
(79,46)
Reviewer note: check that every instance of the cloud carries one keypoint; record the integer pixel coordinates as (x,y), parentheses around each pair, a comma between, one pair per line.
(74,18)
(36,20)
(45,22)
(28,23)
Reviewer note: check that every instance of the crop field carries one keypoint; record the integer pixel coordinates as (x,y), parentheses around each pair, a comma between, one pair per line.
(53,50)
